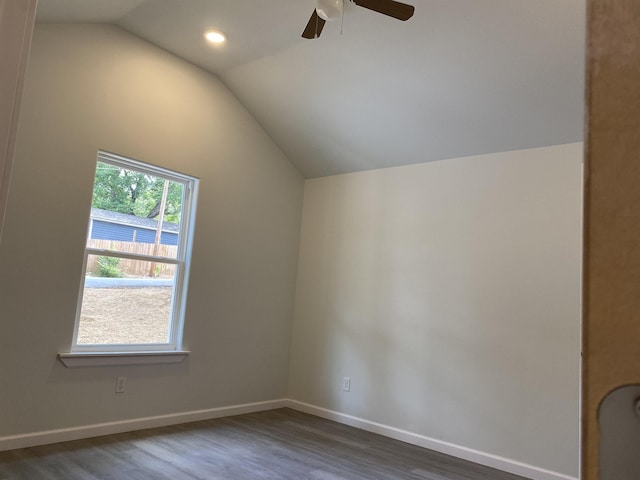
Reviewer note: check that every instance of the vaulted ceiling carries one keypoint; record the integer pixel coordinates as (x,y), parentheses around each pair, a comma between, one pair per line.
(462,77)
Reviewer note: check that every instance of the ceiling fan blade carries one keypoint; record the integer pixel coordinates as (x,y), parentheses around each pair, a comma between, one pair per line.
(314,27)
(398,10)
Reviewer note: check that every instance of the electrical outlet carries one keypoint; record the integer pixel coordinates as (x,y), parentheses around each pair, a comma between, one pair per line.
(121,383)
(346,384)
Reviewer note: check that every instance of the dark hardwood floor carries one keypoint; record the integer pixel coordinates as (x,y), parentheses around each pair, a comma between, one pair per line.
(274,445)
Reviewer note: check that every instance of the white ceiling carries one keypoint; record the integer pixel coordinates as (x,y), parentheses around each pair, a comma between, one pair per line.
(462,77)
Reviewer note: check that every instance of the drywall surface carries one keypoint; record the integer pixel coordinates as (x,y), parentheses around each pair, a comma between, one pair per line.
(449,293)
(91,87)
(16,27)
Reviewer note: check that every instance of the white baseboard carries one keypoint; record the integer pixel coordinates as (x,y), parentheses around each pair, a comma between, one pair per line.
(476,456)
(99,429)
(96,430)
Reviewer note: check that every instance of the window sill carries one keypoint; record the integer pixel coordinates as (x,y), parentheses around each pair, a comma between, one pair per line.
(107,359)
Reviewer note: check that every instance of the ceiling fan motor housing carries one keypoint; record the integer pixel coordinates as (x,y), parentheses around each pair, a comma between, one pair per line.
(329,9)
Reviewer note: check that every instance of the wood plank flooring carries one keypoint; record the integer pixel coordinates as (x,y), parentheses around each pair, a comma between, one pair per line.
(273,445)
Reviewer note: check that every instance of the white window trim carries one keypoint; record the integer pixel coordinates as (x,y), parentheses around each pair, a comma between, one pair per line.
(110,359)
(170,352)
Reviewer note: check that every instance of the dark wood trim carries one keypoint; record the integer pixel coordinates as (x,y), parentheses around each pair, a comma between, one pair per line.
(611,304)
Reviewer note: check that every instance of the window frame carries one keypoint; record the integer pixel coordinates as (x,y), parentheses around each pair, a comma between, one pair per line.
(182,262)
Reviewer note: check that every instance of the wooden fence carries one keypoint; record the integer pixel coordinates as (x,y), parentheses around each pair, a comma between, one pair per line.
(134,268)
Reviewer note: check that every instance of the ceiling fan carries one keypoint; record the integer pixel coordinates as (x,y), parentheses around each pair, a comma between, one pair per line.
(332,9)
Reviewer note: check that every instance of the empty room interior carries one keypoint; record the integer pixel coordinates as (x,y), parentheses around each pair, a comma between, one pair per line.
(377,253)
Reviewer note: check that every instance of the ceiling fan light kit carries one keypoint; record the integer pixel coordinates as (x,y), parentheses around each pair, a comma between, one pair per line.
(332,9)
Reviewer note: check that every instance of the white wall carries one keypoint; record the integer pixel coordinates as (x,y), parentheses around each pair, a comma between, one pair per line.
(91,87)
(450,293)
(447,291)
(16,27)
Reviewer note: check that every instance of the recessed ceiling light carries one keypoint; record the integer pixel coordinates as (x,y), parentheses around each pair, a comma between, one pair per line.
(215,37)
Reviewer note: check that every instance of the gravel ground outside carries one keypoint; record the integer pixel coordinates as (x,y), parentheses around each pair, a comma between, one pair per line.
(125,315)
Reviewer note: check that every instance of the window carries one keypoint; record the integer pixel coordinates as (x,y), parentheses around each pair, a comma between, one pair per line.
(136,262)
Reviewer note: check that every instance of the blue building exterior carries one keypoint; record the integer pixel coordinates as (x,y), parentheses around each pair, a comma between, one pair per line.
(106,225)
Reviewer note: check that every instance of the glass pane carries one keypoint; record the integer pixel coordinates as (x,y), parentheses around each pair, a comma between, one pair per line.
(125,212)
(126,301)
